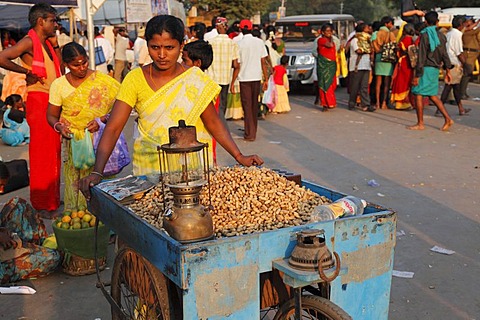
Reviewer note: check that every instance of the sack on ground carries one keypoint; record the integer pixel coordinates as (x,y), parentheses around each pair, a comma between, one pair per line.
(389,52)
(412,53)
(18,175)
(120,156)
(82,152)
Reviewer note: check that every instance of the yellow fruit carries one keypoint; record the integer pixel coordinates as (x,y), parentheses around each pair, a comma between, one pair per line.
(65,225)
(92,222)
(66,219)
(59,224)
(85,225)
(77,225)
(74,214)
(87,217)
(76,220)
(80,214)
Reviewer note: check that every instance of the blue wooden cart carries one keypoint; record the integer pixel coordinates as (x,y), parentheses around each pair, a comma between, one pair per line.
(238,277)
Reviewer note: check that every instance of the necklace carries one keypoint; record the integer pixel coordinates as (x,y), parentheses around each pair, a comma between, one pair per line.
(151,78)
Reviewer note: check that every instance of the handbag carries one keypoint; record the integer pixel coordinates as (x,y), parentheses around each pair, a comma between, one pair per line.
(82,152)
(389,52)
(99,55)
(120,156)
(412,53)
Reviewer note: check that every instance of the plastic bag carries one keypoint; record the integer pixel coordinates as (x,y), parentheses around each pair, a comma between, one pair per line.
(82,152)
(270,96)
(120,156)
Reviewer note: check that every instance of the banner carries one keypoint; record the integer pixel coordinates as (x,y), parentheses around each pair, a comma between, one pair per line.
(138,11)
(57,3)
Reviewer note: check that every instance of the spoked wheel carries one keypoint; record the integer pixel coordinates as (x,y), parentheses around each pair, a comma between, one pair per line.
(138,288)
(313,308)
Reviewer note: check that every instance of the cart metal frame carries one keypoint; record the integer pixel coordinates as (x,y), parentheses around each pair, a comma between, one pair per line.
(220,278)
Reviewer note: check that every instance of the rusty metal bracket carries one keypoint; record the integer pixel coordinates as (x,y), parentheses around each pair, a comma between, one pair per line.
(335,273)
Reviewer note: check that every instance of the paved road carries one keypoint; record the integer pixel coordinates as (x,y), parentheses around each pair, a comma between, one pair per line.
(430,178)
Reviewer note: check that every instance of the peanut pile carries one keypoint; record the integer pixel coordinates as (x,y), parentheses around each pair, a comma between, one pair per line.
(244,200)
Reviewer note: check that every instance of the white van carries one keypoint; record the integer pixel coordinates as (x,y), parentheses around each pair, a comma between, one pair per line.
(299,32)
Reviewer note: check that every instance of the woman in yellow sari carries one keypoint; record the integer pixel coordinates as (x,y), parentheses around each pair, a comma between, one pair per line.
(76,100)
(162,93)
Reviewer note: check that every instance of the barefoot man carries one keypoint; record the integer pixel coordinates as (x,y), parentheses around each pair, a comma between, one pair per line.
(39,52)
(432,51)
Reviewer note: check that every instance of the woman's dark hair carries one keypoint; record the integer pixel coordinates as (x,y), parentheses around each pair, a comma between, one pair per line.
(12,99)
(256,33)
(409,29)
(165,23)
(284,60)
(200,50)
(326,26)
(72,50)
(376,25)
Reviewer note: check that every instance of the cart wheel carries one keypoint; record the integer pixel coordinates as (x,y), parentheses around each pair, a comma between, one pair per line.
(313,307)
(138,288)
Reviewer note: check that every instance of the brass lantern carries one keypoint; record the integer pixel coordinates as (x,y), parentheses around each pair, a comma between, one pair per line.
(184,167)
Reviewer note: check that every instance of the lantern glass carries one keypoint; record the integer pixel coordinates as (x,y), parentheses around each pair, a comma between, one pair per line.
(185,168)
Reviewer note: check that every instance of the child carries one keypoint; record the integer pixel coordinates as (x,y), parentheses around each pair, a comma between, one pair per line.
(15,129)
(281,83)
(363,42)
(110,70)
(198,54)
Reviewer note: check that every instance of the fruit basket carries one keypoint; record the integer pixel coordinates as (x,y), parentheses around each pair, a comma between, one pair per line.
(78,246)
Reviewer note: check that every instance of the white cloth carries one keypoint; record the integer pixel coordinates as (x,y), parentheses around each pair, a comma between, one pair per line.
(140,52)
(364,63)
(252,50)
(121,46)
(454,45)
(238,37)
(210,34)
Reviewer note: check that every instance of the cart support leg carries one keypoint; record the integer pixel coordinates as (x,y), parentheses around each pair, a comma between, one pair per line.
(298,303)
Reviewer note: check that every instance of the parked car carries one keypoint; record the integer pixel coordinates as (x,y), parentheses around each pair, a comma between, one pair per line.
(299,32)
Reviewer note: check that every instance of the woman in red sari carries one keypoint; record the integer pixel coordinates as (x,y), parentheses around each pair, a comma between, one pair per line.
(327,68)
(403,74)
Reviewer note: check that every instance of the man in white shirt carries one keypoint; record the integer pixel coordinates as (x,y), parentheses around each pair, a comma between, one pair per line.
(359,67)
(100,41)
(140,50)
(455,54)
(121,45)
(225,57)
(252,60)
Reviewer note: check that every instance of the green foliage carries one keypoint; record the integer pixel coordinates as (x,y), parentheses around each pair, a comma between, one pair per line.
(235,9)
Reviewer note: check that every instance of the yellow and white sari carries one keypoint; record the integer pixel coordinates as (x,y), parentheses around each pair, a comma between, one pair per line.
(92,99)
(185,97)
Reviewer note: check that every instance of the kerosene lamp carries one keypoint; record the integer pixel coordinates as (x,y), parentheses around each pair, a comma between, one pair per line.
(184,165)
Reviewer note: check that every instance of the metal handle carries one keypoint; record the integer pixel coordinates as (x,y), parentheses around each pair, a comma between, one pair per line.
(335,273)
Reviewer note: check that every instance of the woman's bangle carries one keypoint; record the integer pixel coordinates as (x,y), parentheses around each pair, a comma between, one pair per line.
(55,126)
(97,174)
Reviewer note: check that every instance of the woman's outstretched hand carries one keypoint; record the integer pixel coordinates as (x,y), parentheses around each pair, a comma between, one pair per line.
(251,160)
